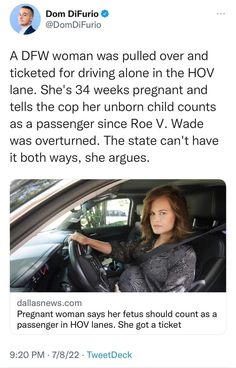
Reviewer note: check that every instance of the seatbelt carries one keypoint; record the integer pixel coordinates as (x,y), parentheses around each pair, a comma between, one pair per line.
(168,246)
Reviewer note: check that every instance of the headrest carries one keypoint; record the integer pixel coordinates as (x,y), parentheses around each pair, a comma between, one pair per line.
(139,209)
(208,204)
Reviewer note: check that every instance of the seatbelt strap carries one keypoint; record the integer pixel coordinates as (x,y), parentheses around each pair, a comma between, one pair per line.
(168,246)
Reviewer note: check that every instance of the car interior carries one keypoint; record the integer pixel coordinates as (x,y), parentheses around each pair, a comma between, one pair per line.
(48,262)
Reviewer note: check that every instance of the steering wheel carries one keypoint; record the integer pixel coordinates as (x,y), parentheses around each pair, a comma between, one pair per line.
(87,271)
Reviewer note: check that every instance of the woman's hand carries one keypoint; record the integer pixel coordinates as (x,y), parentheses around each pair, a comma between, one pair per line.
(81,239)
(101,246)
(117,289)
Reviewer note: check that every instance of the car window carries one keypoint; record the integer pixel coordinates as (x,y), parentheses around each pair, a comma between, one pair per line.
(22,191)
(114,212)
(69,221)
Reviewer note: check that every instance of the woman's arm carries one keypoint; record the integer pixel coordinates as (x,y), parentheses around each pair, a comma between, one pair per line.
(119,251)
(103,247)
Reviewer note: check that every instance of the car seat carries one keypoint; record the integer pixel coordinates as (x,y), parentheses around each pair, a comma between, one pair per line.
(135,233)
(208,210)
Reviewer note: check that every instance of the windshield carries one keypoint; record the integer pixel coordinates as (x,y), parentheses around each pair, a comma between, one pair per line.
(21,191)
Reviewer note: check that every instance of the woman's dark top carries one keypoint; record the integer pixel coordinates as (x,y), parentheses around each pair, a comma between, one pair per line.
(170,271)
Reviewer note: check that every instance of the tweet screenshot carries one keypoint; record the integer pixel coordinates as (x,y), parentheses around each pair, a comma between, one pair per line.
(118,184)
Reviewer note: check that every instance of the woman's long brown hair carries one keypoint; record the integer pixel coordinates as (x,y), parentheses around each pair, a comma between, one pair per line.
(179,206)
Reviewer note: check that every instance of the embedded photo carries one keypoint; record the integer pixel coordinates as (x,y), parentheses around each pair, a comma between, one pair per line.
(118,235)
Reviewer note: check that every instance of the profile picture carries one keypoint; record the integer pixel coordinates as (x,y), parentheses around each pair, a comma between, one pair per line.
(25,19)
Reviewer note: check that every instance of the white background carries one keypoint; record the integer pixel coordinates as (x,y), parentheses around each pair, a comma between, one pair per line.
(180,26)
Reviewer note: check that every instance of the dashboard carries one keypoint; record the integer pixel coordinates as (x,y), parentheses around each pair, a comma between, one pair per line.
(34,265)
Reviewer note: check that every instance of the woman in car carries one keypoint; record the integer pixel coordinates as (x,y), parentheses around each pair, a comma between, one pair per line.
(164,221)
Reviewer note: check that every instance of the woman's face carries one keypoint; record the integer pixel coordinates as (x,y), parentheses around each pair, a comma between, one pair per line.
(162,217)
